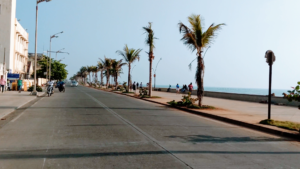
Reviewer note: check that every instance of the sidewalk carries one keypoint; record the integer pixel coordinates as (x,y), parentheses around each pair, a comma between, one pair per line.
(239,110)
(247,114)
(12,100)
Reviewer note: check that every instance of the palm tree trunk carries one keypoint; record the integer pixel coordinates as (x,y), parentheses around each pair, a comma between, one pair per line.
(107,79)
(90,76)
(116,80)
(150,74)
(101,77)
(199,79)
(129,67)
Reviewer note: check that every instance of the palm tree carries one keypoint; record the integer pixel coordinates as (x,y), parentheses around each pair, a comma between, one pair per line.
(196,38)
(130,56)
(83,73)
(101,69)
(107,64)
(89,70)
(117,69)
(150,42)
(94,71)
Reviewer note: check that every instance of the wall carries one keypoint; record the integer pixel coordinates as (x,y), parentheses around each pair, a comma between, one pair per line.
(241,97)
(7,32)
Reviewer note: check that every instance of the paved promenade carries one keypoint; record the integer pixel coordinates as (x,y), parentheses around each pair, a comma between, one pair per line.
(12,100)
(239,110)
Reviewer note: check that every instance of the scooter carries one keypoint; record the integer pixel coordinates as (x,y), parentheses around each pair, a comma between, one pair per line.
(61,88)
(50,89)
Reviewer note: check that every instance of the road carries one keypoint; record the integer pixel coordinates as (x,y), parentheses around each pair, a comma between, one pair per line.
(87,128)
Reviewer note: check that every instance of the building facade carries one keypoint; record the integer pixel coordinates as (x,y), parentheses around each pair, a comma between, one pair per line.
(13,39)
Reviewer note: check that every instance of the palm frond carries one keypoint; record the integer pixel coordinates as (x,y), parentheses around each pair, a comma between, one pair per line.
(210,34)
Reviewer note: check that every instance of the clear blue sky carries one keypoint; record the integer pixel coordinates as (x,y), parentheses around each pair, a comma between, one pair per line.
(96,28)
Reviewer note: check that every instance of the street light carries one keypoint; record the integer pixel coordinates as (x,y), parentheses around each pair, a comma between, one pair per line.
(51,37)
(155,73)
(270,58)
(34,92)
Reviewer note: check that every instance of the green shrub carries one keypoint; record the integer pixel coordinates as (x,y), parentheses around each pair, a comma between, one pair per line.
(38,88)
(143,92)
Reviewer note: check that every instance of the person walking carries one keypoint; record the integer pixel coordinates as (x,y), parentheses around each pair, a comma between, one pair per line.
(141,85)
(190,87)
(9,83)
(2,83)
(20,84)
(133,86)
(177,88)
(137,85)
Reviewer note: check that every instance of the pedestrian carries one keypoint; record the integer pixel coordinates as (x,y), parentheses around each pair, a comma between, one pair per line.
(177,88)
(20,84)
(133,86)
(141,85)
(8,85)
(2,83)
(191,87)
(137,85)
(183,89)
(169,89)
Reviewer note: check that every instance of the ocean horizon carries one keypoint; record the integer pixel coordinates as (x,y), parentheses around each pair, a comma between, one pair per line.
(254,91)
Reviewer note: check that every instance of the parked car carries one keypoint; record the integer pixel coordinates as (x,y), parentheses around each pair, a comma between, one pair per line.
(74,83)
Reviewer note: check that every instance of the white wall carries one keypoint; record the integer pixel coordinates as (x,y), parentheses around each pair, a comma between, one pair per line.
(7,20)
(13,37)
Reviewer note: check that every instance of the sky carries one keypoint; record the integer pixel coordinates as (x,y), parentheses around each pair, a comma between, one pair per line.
(97,28)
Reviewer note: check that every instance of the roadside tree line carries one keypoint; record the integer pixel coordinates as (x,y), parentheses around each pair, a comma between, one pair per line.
(195,37)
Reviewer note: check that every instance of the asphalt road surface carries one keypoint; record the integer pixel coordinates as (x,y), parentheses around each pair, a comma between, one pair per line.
(86,128)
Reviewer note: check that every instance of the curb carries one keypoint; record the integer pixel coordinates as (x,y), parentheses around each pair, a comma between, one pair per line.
(256,127)
(18,107)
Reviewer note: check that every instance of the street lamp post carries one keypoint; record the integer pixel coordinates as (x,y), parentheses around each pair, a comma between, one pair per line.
(34,92)
(155,73)
(51,37)
(270,57)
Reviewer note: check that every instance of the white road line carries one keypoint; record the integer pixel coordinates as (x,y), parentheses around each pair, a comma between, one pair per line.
(24,111)
(135,128)
(44,163)
(18,117)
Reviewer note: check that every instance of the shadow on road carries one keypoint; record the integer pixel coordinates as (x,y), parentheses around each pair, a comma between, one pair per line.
(212,139)
(77,153)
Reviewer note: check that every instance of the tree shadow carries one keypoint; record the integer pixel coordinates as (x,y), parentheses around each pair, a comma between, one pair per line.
(213,139)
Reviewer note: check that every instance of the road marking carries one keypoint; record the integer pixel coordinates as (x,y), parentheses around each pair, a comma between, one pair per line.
(18,117)
(24,111)
(44,162)
(135,128)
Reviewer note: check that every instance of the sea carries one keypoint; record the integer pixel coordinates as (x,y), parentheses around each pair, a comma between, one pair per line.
(277,92)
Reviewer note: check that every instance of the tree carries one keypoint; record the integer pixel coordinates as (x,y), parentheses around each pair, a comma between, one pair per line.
(293,94)
(130,56)
(107,64)
(101,69)
(83,73)
(196,38)
(150,42)
(58,69)
(89,70)
(117,69)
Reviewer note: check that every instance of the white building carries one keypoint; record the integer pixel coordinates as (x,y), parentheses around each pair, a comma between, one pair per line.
(14,38)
